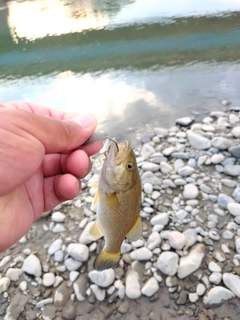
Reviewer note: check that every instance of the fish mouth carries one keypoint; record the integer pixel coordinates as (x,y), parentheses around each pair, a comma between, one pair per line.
(117,152)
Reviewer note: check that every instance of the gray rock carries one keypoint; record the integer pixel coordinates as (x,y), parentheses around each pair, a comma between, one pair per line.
(44,302)
(16,306)
(62,295)
(197,141)
(221,143)
(80,287)
(217,158)
(190,237)
(200,289)
(147,150)
(236,132)
(232,282)
(102,278)
(185,171)
(5,260)
(214,267)
(237,244)
(165,167)
(190,263)
(168,263)
(58,228)
(224,200)
(176,239)
(215,277)
(32,265)
(235,151)
(229,183)
(148,188)
(216,296)
(149,166)
(232,170)
(84,237)
(72,264)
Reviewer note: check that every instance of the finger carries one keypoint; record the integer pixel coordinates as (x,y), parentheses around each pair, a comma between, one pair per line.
(56,136)
(60,188)
(92,149)
(76,163)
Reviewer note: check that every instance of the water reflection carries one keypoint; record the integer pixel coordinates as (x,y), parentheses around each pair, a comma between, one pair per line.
(135,64)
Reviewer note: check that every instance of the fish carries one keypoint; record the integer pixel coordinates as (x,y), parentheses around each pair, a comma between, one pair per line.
(117,203)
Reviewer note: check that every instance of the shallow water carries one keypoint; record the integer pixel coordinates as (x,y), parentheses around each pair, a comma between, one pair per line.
(135,64)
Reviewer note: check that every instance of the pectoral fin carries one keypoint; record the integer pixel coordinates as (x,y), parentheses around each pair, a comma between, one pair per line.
(95,231)
(136,231)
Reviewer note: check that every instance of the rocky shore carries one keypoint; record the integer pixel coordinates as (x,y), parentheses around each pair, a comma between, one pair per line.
(185,266)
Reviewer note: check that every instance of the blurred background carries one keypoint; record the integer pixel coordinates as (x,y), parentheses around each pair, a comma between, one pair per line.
(136,64)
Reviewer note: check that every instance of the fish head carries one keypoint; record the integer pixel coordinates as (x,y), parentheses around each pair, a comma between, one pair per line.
(119,172)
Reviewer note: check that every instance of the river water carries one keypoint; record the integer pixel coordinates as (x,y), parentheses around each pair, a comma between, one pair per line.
(135,64)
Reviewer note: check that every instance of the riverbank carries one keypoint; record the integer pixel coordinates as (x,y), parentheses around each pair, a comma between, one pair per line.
(187,263)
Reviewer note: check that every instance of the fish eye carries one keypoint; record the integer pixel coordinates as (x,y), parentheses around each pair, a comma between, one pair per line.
(130,166)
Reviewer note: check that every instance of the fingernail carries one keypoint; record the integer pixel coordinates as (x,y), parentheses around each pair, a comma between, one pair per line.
(85,120)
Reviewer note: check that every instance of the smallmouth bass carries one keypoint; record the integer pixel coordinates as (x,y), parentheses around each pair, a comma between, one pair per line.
(117,203)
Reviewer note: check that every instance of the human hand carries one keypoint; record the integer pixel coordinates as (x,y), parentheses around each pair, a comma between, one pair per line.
(41,162)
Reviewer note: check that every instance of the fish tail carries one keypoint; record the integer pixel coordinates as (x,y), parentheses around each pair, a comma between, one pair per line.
(106,260)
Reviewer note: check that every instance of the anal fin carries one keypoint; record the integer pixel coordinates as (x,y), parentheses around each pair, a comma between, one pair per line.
(136,231)
(95,231)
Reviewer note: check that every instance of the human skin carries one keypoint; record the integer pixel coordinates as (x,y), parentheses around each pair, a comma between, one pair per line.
(41,163)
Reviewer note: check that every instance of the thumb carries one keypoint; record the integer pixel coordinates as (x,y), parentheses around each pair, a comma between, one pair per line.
(55,135)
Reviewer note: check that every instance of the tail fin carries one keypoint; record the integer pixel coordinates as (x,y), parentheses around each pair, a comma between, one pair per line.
(106,260)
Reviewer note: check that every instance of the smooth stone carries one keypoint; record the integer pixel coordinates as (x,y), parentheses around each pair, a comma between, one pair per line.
(150,287)
(154,240)
(190,263)
(168,151)
(214,267)
(150,177)
(72,264)
(23,286)
(48,279)
(237,244)
(59,256)
(44,302)
(229,183)
(168,263)
(73,275)
(80,287)
(148,188)
(4,284)
(200,290)
(62,294)
(84,237)
(198,141)
(98,292)
(160,218)
(232,170)
(236,194)
(14,274)
(133,290)
(78,251)
(147,150)
(232,282)
(32,265)
(181,214)
(176,239)
(190,237)
(141,254)
(224,200)
(193,297)
(221,143)
(55,246)
(217,158)
(58,228)
(190,191)
(185,121)
(236,132)
(149,166)
(216,296)
(215,277)
(165,167)
(233,119)
(185,171)
(227,234)
(5,260)
(58,216)
(235,151)
(102,278)
(162,132)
